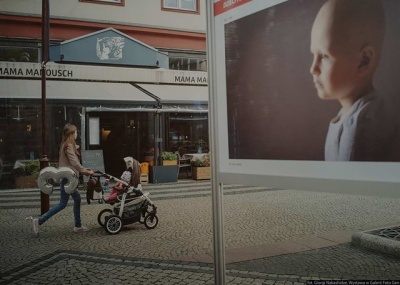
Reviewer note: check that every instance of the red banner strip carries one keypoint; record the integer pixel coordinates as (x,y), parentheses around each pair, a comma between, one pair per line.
(226,5)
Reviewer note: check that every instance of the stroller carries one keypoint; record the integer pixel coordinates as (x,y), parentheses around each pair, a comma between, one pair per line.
(130,207)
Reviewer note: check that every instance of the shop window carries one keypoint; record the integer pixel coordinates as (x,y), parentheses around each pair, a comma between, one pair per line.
(183,60)
(19,54)
(20,131)
(192,64)
(181,5)
(189,131)
(110,2)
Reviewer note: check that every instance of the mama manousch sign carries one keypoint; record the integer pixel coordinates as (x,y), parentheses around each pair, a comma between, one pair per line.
(99,73)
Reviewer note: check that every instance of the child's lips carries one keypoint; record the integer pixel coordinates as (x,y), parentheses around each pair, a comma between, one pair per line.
(317,85)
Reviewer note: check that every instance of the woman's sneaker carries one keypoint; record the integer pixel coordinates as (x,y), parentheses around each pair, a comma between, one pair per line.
(81,229)
(35,223)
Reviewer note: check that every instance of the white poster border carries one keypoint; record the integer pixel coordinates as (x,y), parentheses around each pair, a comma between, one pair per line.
(347,177)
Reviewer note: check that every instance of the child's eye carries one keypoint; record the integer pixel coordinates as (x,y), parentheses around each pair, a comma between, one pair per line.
(324,56)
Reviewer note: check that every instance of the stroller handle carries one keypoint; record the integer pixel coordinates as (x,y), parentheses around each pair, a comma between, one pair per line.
(98,173)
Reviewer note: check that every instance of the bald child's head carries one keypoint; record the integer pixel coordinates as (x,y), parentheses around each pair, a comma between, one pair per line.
(346,41)
(353,24)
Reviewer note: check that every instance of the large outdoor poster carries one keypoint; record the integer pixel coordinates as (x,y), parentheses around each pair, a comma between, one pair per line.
(309,89)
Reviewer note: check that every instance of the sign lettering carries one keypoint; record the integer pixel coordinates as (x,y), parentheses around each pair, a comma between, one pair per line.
(13,71)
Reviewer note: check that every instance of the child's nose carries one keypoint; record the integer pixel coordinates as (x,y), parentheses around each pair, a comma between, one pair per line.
(314,69)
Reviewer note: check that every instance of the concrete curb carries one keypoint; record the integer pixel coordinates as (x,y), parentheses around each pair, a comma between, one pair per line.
(377,243)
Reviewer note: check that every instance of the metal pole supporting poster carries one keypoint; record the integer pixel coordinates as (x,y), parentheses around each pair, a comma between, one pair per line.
(44,161)
(217,188)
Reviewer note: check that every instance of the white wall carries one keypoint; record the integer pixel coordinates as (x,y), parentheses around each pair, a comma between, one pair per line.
(135,12)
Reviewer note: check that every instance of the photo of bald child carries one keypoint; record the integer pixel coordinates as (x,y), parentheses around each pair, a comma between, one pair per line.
(346,44)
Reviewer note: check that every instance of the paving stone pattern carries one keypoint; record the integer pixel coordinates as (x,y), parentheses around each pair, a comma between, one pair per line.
(171,253)
(338,262)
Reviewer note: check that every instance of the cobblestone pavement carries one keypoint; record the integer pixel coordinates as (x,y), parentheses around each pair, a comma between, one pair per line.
(179,250)
(342,262)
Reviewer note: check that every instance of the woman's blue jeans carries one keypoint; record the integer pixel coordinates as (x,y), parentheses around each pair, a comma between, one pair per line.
(64,197)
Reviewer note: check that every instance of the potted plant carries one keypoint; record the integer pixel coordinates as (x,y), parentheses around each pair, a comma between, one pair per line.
(167,172)
(169,158)
(201,167)
(26,176)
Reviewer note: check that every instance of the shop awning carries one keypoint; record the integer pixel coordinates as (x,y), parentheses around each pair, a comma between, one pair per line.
(178,94)
(82,91)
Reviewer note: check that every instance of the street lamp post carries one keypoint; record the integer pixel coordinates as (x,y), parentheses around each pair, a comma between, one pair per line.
(44,161)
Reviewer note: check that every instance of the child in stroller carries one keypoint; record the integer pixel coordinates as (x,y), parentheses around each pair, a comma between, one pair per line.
(131,204)
(131,176)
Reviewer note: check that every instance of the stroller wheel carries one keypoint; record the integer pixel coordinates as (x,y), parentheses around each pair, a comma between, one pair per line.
(101,217)
(151,221)
(113,224)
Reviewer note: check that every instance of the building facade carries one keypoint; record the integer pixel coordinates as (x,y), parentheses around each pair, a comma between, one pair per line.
(125,72)
(176,27)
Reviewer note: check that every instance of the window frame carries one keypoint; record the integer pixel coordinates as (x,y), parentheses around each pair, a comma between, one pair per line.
(179,10)
(105,2)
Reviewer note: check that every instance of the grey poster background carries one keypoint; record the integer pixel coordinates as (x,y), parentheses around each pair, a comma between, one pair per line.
(273,108)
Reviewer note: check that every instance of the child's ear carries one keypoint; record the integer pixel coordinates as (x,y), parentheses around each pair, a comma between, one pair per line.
(367,55)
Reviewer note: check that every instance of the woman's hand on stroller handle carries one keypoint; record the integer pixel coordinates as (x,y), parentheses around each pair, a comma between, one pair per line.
(98,173)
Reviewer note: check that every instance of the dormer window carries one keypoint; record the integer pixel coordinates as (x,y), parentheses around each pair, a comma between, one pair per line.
(191,6)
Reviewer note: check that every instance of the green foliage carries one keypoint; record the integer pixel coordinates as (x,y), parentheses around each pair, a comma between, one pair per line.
(203,162)
(32,167)
(198,163)
(166,155)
